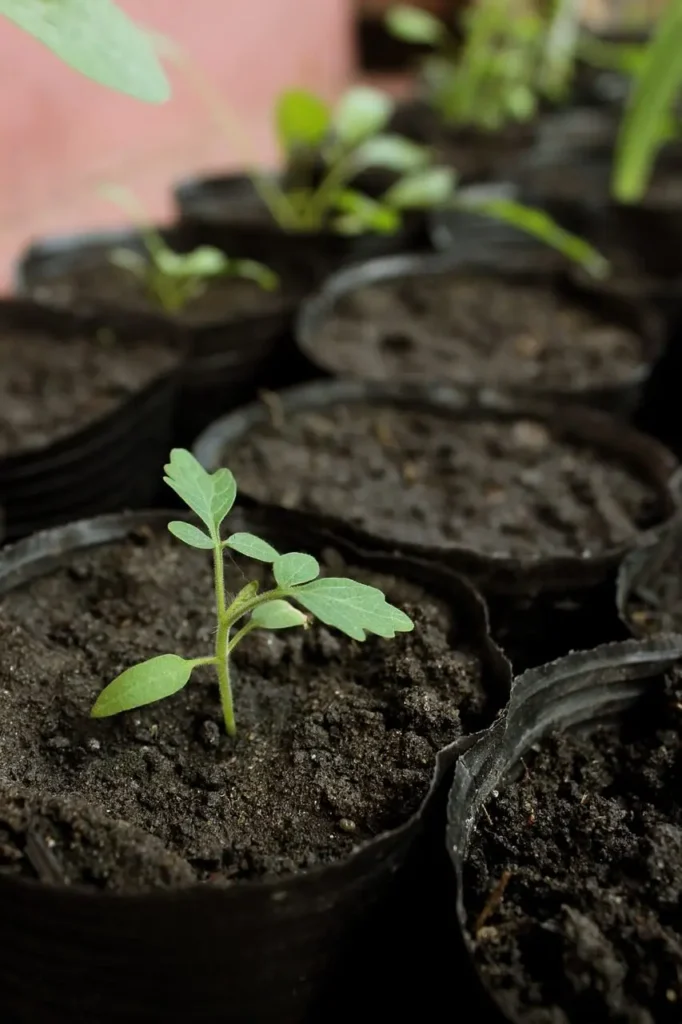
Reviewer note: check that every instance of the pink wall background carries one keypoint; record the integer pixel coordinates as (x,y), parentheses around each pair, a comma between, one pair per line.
(62,135)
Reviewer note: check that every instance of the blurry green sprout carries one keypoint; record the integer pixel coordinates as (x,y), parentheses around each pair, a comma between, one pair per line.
(173,279)
(652,115)
(325,149)
(515,54)
(351,140)
(353,608)
(489,79)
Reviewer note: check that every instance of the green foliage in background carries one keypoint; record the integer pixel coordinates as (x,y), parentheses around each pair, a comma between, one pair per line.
(652,115)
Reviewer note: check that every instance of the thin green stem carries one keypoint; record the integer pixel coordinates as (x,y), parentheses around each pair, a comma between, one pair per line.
(223,670)
(239,635)
(222,640)
(237,611)
(196,662)
(335,178)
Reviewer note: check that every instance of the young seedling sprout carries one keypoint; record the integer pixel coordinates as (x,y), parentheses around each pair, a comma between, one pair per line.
(353,608)
(173,279)
(326,149)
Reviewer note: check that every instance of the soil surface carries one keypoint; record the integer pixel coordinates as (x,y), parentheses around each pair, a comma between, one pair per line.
(225,298)
(419,477)
(336,740)
(467,330)
(589,926)
(50,388)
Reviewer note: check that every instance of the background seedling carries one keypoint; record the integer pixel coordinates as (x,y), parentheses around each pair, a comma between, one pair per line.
(353,608)
(514,55)
(173,279)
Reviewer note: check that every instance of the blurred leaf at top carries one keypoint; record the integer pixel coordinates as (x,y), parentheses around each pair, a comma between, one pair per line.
(96,38)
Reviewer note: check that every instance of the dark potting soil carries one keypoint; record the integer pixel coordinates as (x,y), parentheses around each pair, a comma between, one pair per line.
(50,388)
(469,330)
(419,477)
(585,850)
(336,740)
(225,298)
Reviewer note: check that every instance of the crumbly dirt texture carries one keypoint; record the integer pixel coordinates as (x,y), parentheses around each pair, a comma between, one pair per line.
(589,927)
(469,330)
(224,298)
(50,388)
(504,487)
(336,740)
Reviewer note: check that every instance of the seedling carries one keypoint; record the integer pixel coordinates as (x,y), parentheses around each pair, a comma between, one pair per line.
(351,141)
(173,279)
(490,78)
(353,608)
(325,149)
(652,117)
(513,56)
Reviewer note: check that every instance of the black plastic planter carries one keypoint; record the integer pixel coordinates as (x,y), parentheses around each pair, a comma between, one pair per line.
(611,309)
(493,571)
(228,359)
(577,691)
(647,591)
(109,465)
(226,211)
(301,948)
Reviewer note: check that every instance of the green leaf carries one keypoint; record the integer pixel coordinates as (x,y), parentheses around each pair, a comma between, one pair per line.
(295,568)
(96,38)
(210,495)
(278,615)
(361,112)
(191,535)
(540,225)
(423,189)
(644,124)
(364,214)
(258,272)
(128,259)
(251,546)
(302,119)
(143,684)
(392,152)
(245,594)
(354,608)
(415,25)
(204,261)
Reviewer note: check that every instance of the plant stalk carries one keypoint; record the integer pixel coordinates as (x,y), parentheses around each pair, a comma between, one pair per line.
(222,642)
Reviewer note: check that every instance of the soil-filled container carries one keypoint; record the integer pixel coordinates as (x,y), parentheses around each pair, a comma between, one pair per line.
(649,589)
(448,319)
(521,497)
(238,336)
(85,416)
(565,829)
(227,211)
(283,875)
